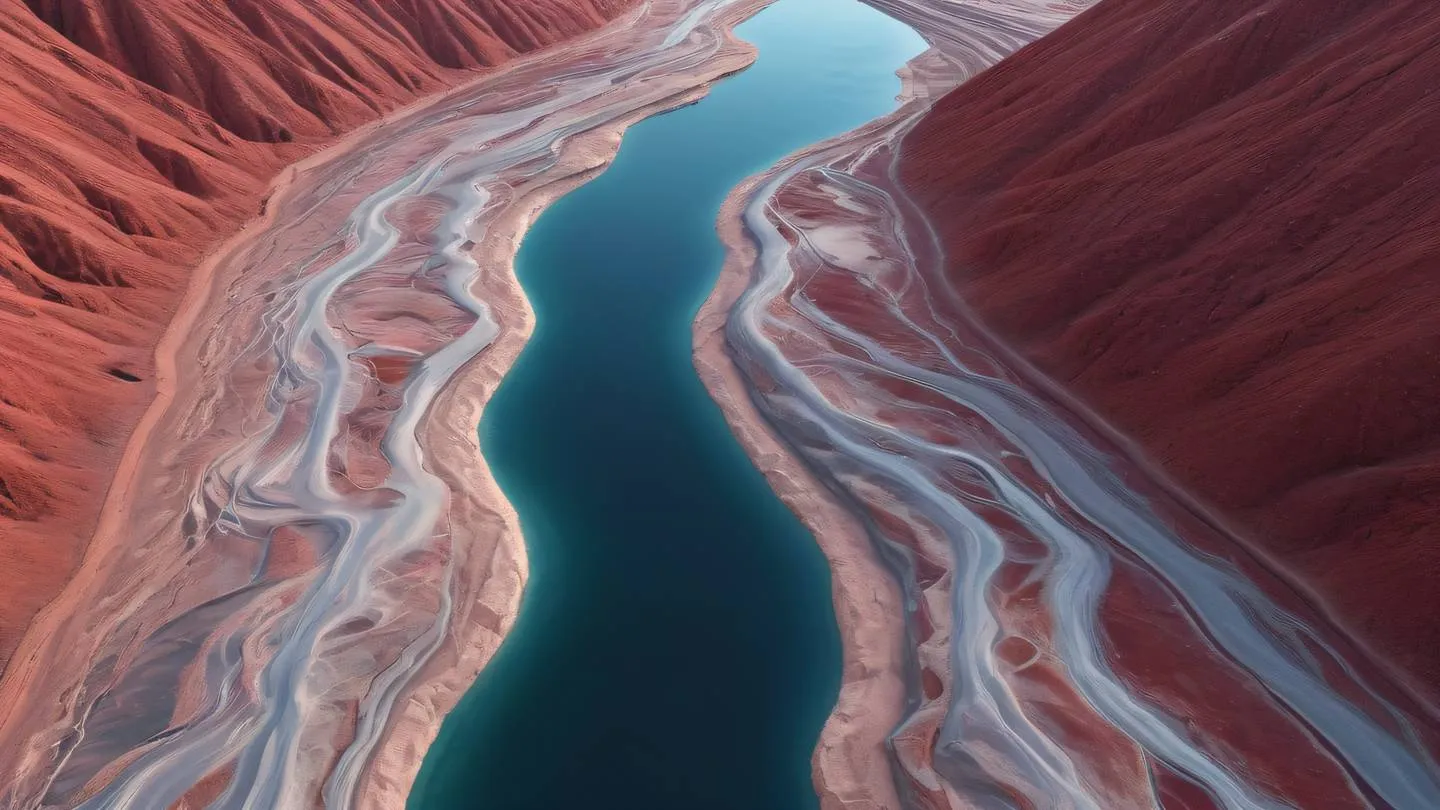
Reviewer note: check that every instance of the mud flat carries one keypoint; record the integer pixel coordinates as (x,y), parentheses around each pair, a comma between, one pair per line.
(302,560)
(1059,631)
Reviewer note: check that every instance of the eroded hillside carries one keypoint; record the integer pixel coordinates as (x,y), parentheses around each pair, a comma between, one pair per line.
(1219,224)
(135,135)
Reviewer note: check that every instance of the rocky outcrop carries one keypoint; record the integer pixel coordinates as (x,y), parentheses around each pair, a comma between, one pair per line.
(1215,223)
(136,134)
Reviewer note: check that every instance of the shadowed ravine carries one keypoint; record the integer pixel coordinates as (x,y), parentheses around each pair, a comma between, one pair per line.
(1077,640)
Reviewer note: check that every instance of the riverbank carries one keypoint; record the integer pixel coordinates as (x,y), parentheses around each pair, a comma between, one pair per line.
(205,531)
(853,765)
(850,766)
(1073,636)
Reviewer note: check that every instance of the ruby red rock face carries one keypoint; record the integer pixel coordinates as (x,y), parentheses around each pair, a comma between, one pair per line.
(1216,225)
(135,135)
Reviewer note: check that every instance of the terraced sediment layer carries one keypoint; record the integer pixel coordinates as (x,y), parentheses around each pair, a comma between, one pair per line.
(303,561)
(1061,632)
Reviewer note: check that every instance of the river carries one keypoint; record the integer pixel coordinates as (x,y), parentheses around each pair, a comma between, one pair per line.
(676,646)
(304,560)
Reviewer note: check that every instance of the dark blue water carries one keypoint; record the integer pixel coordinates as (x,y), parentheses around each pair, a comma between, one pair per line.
(676,646)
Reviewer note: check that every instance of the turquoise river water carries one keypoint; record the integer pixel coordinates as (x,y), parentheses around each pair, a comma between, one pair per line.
(676,646)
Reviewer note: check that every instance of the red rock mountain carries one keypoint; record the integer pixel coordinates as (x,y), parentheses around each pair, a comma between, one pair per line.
(1219,225)
(135,134)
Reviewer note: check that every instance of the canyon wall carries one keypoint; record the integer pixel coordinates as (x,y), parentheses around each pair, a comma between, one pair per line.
(1218,225)
(136,135)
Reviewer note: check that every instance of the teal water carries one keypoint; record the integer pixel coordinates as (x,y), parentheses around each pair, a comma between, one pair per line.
(676,646)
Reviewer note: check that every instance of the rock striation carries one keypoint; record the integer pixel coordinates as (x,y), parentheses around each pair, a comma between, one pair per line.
(1215,224)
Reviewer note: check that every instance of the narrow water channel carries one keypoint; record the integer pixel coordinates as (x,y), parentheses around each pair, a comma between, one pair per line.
(676,647)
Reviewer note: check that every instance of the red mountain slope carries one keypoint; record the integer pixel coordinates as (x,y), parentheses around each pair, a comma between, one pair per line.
(1219,224)
(134,135)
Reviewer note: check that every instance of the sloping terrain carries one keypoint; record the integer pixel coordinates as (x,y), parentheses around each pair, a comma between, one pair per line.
(135,135)
(1219,225)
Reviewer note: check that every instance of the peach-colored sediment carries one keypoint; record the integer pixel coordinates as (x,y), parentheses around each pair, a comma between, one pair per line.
(851,769)
(187,523)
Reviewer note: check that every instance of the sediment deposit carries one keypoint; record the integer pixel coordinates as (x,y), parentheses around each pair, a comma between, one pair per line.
(302,561)
(1070,632)
(135,137)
